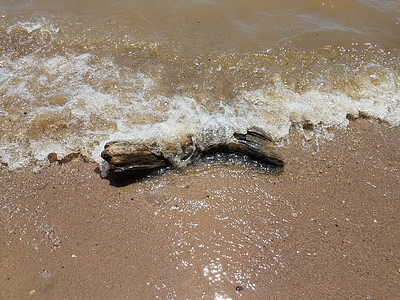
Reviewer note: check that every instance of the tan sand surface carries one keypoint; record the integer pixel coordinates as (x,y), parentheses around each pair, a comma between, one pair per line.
(328,227)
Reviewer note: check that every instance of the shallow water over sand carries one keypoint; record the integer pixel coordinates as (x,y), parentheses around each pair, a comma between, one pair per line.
(326,227)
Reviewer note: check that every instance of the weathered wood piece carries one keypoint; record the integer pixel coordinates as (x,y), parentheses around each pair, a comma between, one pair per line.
(257,145)
(126,157)
(123,156)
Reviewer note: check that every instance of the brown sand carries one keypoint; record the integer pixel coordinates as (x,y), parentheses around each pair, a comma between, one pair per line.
(328,227)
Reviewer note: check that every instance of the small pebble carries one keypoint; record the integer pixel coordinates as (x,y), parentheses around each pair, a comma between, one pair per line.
(73,256)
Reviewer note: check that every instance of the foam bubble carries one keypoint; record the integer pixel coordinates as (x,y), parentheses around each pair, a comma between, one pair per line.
(43,25)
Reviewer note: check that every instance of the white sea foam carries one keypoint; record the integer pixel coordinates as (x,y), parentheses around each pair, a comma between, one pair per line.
(43,25)
(77,103)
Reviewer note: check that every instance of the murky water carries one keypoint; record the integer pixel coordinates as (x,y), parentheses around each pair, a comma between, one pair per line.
(77,74)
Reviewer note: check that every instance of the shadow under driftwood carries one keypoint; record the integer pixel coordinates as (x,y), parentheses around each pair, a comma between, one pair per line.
(128,162)
(121,179)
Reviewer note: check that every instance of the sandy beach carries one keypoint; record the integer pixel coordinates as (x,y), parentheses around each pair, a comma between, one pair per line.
(328,227)
(181,79)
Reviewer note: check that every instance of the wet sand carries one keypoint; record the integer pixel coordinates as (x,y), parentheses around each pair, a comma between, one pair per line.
(328,227)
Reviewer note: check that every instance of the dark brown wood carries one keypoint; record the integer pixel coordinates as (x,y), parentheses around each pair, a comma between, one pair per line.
(127,157)
(123,156)
(257,145)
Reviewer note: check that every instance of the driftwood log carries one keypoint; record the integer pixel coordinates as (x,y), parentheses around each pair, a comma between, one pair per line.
(127,158)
